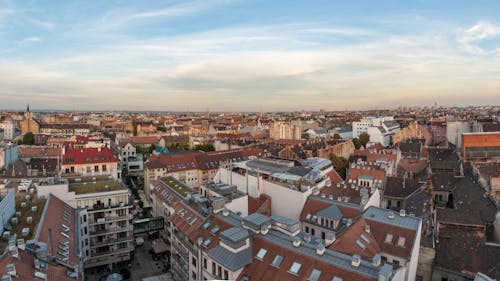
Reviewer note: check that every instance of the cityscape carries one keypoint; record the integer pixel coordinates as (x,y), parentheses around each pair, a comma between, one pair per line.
(249,140)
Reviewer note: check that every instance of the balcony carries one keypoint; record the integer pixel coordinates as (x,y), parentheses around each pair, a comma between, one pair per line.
(111,251)
(178,273)
(111,241)
(110,230)
(93,262)
(100,207)
(111,219)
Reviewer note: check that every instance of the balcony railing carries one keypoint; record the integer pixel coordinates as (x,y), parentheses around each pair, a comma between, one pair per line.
(111,241)
(111,251)
(110,230)
(112,219)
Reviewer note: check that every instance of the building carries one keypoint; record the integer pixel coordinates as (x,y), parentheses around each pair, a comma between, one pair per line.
(7,206)
(9,129)
(288,183)
(65,129)
(129,159)
(104,224)
(438,132)
(207,241)
(193,168)
(8,154)
(90,162)
(455,129)
(413,131)
(359,127)
(29,124)
(384,133)
(483,146)
(284,130)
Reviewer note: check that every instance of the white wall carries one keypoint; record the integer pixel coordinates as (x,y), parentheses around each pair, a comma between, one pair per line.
(239,205)
(374,200)
(415,252)
(59,190)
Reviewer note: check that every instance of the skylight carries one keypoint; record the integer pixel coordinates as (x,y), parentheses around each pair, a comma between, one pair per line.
(261,254)
(315,274)
(294,269)
(277,261)
(215,229)
(388,238)
(207,225)
(207,242)
(401,241)
(308,216)
(365,238)
(360,244)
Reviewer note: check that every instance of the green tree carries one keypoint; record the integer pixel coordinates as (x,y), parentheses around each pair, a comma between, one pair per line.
(152,148)
(340,164)
(336,136)
(29,138)
(135,130)
(364,138)
(205,147)
(357,143)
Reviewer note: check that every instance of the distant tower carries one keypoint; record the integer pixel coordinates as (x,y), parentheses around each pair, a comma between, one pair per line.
(28,117)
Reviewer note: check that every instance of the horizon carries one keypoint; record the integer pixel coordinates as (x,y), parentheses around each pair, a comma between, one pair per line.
(248,56)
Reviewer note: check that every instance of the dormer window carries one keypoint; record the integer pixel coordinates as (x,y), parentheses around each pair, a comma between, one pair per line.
(261,254)
(315,274)
(401,241)
(277,261)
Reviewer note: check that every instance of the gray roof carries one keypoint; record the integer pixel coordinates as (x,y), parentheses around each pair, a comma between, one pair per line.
(283,220)
(382,215)
(257,219)
(233,261)
(331,212)
(266,166)
(235,234)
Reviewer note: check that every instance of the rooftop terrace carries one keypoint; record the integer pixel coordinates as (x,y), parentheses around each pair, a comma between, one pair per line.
(84,187)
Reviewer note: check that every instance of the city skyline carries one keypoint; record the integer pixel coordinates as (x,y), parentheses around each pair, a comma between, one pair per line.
(248,56)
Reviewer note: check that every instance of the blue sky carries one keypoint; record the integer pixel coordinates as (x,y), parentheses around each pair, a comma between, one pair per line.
(248,55)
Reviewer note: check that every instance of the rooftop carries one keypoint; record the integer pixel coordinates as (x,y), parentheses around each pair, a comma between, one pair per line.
(84,187)
(177,186)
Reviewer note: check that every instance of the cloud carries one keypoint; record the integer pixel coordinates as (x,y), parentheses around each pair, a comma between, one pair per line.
(471,37)
(42,24)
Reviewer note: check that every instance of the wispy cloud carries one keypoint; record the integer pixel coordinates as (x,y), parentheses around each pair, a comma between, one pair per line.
(482,30)
(42,24)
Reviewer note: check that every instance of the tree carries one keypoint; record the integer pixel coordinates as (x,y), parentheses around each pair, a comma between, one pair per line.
(340,164)
(364,138)
(205,147)
(336,136)
(135,130)
(152,148)
(357,143)
(29,138)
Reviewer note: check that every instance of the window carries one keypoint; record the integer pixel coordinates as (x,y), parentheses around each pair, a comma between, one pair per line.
(389,203)
(204,263)
(96,168)
(395,264)
(277,261)
(193,261)
(315,274)
(323,235)
(307,229)
(88,169)
(388,238)
(72,169)
(312,231)
(401,241)
(294,269)
(104,168)
(226,274)
(213,268)
(261,254)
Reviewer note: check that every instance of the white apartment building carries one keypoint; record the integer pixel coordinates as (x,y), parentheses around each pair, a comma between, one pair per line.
(288,183)
(362,126)
(383,134)
(9,127)
(284,130)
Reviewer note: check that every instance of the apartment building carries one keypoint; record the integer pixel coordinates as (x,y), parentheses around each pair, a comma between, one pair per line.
(89,162)
(208,241)
(9,129)
(104,222)
(359,127)
(285,130)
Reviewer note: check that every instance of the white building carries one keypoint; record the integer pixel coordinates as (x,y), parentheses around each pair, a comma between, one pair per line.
(287,182)
(8,154)
(9,127)
(383,134)
(362,126)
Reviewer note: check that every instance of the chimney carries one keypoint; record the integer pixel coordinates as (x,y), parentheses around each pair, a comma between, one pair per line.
(367,228)
(330,237)
(11,270)
(355,260)
(402,212)
(307,237)
(296,242)
(376,260)
(320,248)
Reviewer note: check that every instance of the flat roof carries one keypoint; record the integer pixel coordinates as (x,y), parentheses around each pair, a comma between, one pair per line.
(95,186)
(177,186)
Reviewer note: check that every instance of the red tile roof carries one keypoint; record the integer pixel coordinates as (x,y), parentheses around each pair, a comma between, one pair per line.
(25,268)
(53,219)
(263,270)
(334,177)
(75,156)
(346,242)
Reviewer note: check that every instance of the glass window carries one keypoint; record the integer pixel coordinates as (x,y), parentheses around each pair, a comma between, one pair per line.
(261,254)
(294,269)
(277,261)
(315,274)
(388,238)
(401,241)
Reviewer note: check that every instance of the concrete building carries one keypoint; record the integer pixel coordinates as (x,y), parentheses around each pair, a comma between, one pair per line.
(104,218)
(89,162)
(284,130)
(7,206)
(8,154)
(288,183)
(482,147)
(384,133)
(9,129)
(208,242)
(455,129)
(359,127)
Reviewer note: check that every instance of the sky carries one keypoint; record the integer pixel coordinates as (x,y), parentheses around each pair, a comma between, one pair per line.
(231,55)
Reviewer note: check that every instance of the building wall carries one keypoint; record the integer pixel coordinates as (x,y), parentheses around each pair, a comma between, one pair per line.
(9,128)
(487,140)
(8,154)
(455,129)
(343,149)
(82,169)
(413,264)
(7,208)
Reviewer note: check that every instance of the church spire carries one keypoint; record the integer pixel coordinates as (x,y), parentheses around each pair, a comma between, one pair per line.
(28,108)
